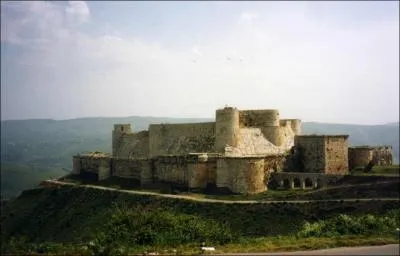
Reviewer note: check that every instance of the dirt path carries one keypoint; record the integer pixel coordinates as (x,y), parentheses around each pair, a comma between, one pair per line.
(56,183)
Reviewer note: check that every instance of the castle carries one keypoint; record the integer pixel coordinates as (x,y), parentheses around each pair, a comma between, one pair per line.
(238,152)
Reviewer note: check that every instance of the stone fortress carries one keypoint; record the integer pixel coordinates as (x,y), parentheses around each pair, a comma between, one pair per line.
(242,151)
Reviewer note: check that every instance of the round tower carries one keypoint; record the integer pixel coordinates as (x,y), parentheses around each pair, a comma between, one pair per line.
(119,130)
(226,128)
(271,126)
(270,117)
(296,126)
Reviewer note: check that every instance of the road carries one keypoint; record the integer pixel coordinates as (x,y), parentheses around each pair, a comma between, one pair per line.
(390,249)
(56,183)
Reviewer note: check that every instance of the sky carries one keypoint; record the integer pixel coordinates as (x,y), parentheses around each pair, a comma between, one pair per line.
(335,62)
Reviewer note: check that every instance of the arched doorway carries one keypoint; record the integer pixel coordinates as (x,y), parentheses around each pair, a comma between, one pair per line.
(297,182)
(286,183)
(308,183)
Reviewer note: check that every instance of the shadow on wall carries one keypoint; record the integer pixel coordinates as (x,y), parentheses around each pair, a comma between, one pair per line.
(295,160)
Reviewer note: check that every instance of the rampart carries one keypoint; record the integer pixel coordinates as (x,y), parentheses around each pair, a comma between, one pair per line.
(239,152)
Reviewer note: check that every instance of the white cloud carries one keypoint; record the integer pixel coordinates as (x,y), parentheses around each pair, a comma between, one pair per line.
(78,11)
(248,16)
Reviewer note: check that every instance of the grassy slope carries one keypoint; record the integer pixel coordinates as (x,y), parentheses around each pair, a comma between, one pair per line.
(77,215)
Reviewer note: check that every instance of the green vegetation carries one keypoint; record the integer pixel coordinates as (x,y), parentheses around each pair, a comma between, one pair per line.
(344,224)
(85,220)
(392,170)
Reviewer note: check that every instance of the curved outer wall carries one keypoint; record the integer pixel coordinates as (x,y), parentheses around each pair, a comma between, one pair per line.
(241,175)
(360,157)
(296,126)
(226,128)
(259,118)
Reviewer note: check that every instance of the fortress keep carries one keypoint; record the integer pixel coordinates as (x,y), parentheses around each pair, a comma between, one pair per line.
(238,152)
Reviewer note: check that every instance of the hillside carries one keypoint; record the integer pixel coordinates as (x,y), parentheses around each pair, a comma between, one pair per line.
(74,216)
(42,148)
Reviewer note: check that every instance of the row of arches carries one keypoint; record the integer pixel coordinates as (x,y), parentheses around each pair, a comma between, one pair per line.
(303,183)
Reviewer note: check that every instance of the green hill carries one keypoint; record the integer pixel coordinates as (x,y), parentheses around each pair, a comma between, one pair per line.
(41,148)
(74,216)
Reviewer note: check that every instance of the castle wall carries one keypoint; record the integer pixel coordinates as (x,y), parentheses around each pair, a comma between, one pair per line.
(170,169)
(359,156)
(181,139)
(286,137)
(241,175)
(323,153)
(98,166)
(295,124)
(267,120)
(383,155)
(118,131)
(312,152)
(129,145)
(202,172)
(336,155)
(76,164)
(130,168)
(226,128)
(274,163)
(259,118)
(252,142)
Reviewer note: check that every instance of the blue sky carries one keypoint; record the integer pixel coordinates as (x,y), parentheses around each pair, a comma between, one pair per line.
(321,61)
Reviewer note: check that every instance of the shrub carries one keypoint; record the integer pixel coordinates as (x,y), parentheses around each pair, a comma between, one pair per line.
(352,225)
(143,227)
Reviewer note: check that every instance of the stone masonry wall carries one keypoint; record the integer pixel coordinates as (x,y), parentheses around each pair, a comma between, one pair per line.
(99,166)
(129,168)
(132,145)
(258,118)
(172,169)
(336,155)
(252,142)
(76,164)
(359,156)
(181,139)
(201,173)
(241,175)
(312,153)
(383,155)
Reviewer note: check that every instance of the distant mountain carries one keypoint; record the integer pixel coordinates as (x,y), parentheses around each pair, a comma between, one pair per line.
(41,146)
